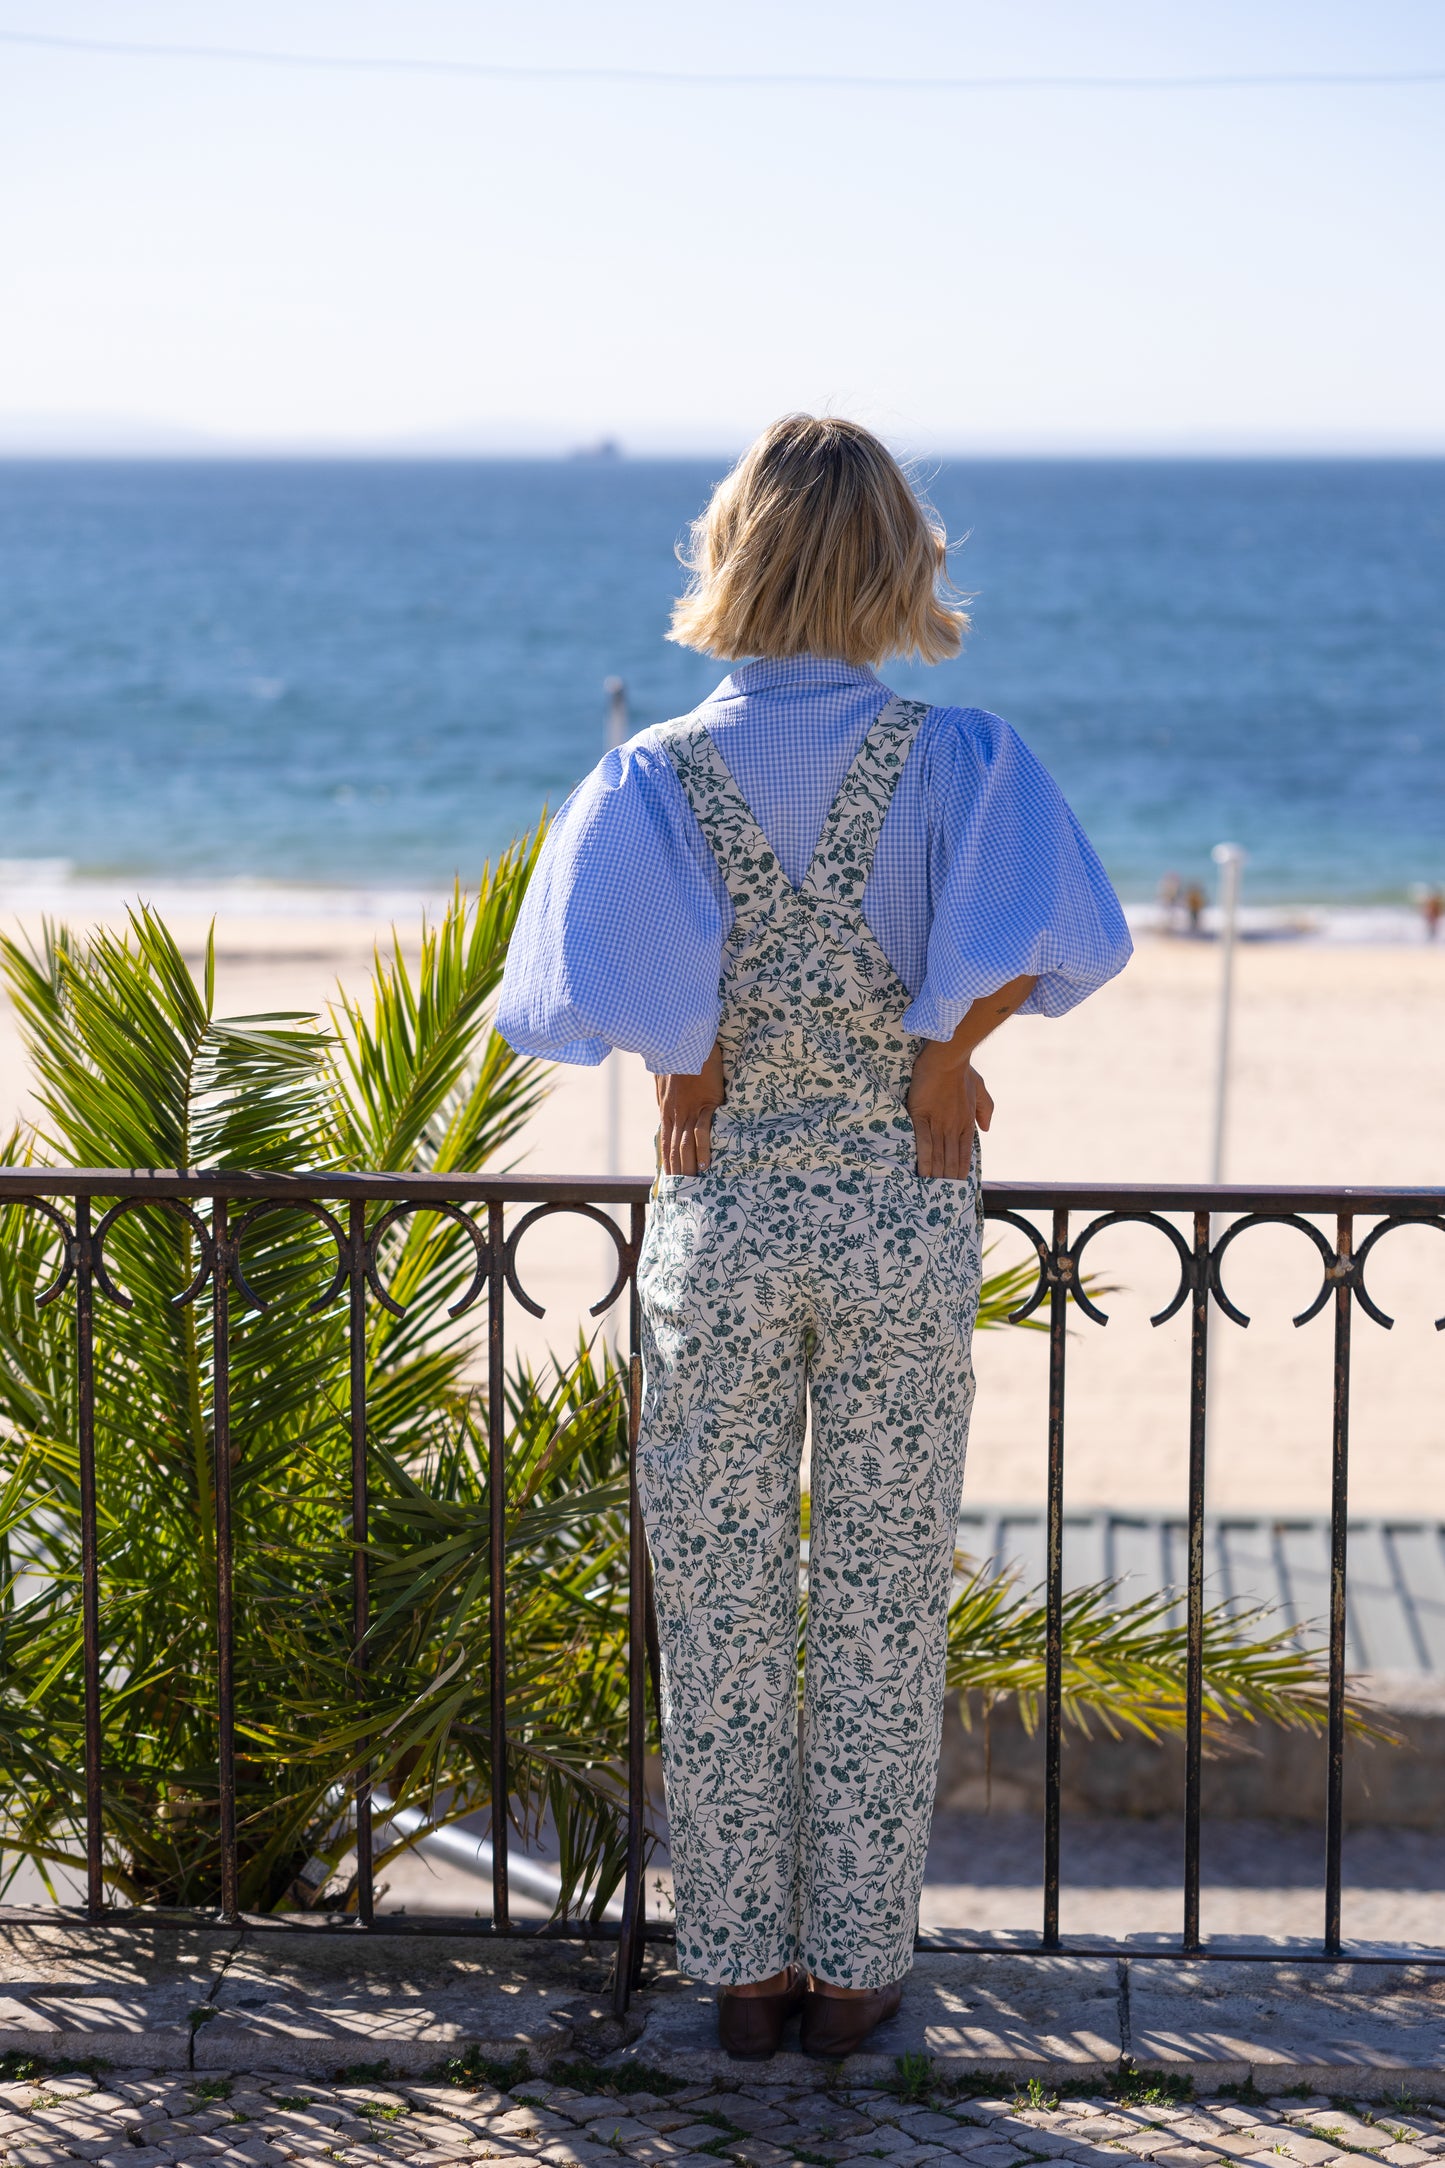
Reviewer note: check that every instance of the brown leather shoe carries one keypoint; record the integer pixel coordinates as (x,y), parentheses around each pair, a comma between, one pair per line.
(750,2027)
(834,2025)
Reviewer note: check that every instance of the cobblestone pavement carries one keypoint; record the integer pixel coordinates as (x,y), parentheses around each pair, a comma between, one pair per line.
(134,2119)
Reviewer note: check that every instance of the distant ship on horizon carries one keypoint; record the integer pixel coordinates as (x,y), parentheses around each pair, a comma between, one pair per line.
(604,450)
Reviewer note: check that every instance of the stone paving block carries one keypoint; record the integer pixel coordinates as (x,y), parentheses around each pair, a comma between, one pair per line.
(996,2154)
(826,2118)
(617,2125)
(692,2137)
(1048,2143)
(586,2107)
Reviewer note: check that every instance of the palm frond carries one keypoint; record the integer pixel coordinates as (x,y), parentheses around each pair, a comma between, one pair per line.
(1124,1663)
(412,1091)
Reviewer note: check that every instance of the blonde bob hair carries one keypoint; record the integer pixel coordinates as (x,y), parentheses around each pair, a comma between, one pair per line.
(815,544)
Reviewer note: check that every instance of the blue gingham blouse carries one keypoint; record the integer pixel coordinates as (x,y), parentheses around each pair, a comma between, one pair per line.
(982,874)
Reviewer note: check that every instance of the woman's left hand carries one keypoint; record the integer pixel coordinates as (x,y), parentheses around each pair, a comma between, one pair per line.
(947,1100)
(687,1105)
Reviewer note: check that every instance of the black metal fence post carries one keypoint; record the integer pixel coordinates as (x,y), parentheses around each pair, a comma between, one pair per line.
(1194,1656)
(1061,1268)
(360,1536)
(225,1558)
(89,1558)
(1339,1538)
(497,1556)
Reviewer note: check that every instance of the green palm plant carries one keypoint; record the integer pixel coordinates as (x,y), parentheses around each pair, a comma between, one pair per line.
(133,1069)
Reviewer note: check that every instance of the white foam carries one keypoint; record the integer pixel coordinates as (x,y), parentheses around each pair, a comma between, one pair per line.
(1393,925)
(50,887)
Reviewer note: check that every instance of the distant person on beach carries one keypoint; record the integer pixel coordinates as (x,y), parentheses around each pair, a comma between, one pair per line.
(805,905)
(1194,902)
(1171,889)
(1432,910)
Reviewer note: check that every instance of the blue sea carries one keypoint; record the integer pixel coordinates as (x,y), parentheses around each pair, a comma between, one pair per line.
(363,673)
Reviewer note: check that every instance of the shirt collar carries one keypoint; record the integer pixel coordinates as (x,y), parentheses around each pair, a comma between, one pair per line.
(788,673)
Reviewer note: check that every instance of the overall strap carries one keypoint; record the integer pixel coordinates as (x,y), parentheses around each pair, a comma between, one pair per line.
(745,858)
(844,857)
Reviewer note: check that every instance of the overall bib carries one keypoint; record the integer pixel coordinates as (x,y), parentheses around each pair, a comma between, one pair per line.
(809,1270)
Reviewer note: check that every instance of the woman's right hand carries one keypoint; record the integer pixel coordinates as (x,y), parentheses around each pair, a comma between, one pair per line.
(687,1105)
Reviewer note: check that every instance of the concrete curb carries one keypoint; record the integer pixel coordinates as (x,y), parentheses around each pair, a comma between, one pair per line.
(204,1999)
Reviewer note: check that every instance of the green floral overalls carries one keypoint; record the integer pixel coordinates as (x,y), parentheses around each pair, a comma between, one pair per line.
(809,1269)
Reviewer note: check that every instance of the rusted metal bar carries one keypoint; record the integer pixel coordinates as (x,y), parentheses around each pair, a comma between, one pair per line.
(89,1558)
(1339,1536)
(1194,1656)
(631,1945)
(497,1555)
(225,1561)
(360,1535)
(614,1190)
(1060,1273)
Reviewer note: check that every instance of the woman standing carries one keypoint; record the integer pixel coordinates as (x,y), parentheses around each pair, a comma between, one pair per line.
(805,905)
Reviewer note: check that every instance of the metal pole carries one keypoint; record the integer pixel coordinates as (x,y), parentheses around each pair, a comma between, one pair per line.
(618,733)
(1229,857)
(1230,860)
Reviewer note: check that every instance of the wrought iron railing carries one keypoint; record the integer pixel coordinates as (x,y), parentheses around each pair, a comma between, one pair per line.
(358,1211)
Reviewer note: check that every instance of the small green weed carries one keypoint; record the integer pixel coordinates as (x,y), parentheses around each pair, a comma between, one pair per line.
(474,2070)
(210,2089)
(1036,2095)
(590,2077)
(362,2073)
(970,2085)
(17,2068)
(915,2076)
(1149,2088)
(292,2100)
(1248,2094)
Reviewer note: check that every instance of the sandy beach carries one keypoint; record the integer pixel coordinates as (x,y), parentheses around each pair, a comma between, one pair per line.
(1339,1055)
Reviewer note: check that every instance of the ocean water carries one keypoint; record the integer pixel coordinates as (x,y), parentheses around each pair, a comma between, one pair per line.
(371,673)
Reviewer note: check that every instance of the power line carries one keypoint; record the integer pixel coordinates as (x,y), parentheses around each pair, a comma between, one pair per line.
(672,79)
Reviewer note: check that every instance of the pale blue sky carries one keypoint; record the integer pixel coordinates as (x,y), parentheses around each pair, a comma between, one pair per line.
(312,257)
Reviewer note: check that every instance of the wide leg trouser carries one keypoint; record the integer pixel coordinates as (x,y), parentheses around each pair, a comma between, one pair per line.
(857,1295)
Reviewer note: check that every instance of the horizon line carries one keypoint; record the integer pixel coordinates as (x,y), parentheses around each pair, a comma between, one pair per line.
(684,79)
(261,453)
